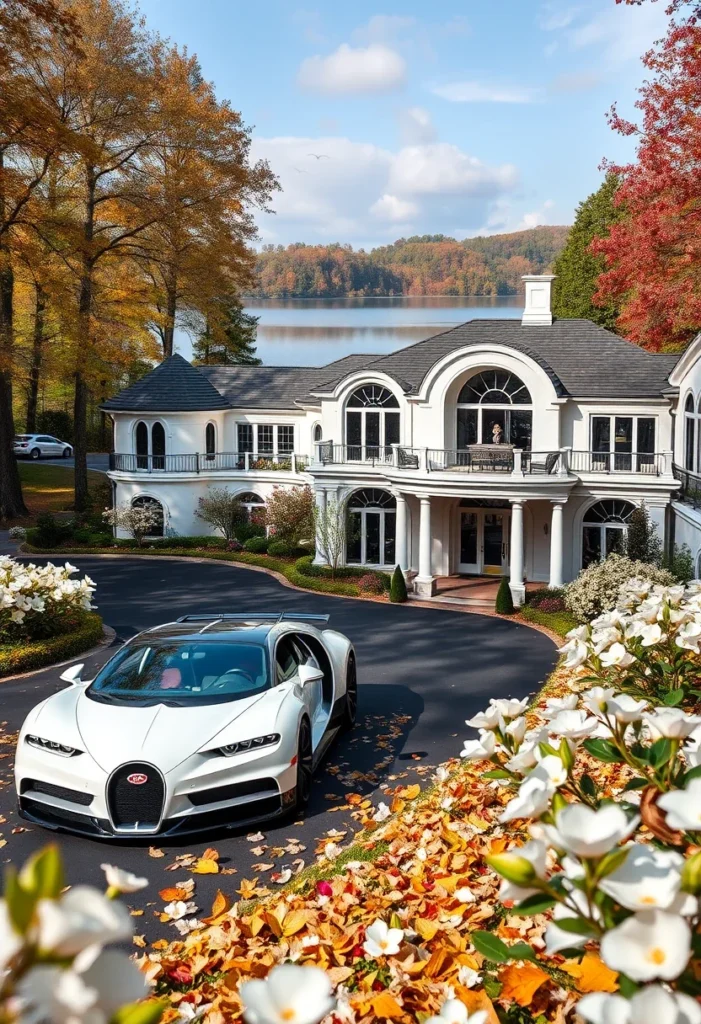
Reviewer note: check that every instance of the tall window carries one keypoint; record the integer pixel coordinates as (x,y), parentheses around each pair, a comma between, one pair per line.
(604,529)
(146,502)
(372,422)
(622,444)
(251,502)
(141,445)
(494,407)
(150,446)
(689,432)
(317,433)
(158,446)
(372,523)
(210,441)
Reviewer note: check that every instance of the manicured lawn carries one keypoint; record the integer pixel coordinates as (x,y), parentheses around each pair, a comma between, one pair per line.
(48,489)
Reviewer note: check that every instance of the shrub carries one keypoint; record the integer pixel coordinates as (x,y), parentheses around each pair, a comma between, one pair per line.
(40,601)
(642,542)
(289,513)
(504,603)
(371,583)
(549,599)
(247,529)
(138,520)
(222,510)
(257,545)
(50,532)
(17,533)
(397,590)
(85,632)
(596,589)
(286,549)
(681,563)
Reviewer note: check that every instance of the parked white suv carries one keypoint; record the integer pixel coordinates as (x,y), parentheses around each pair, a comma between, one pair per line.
(34,446)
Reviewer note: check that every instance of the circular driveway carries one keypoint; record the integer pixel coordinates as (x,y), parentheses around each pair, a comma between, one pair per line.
(422,672)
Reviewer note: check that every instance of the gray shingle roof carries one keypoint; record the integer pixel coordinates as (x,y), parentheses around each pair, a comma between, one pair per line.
(173,386)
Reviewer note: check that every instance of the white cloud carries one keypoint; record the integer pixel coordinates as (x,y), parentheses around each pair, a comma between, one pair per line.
(478,92)
(360,192)
(620,32)
(391,208)
(374,68)
(385,28)
(536,217)
(416,126)
(553,16)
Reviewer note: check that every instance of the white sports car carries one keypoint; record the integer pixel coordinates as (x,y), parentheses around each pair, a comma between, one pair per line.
(210,721)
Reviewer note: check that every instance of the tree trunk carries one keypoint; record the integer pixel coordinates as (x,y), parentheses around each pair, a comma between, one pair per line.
(37,355)
(80,401)
(11,500)
(171,306)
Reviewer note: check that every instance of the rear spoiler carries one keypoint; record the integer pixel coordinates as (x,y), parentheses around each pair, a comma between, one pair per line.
(255,617)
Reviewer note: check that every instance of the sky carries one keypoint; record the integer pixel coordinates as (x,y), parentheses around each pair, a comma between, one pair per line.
(383,120)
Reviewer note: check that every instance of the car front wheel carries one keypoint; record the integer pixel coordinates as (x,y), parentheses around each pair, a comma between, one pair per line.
(35,453)
(351,708)
(304,764)
(67,453)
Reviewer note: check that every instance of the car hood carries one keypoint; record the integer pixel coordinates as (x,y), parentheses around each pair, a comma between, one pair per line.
(161,735)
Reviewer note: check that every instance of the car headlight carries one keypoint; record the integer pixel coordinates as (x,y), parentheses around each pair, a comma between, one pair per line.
(245,745)
(52,747)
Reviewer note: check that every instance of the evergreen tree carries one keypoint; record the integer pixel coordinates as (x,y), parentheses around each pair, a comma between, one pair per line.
(234,341)
(577,268)
(504,604)
(397,593)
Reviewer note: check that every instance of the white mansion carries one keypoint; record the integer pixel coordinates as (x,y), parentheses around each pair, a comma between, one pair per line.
(500,446)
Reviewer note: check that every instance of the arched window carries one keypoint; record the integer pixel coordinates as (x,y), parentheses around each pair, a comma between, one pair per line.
(317,434)
(372,423)
(251,502)
(689,431)
(486,413)
(210,441)
(372,523)
(604,529)
(158,446)
(141,445)
(144,501)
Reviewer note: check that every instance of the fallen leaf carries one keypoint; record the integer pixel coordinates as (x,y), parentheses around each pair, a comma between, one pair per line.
(139,940)
(205,866)
(591,974)
(153,851)
(521,983)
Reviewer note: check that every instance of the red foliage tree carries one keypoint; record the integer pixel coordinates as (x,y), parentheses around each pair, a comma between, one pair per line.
(653,255)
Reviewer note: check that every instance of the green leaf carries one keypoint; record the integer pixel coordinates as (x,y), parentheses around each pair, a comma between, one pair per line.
(395,921)
(634,784)
(496,773)
(627,986)
(140,1013)
(538,903)
(660,752)
(588,786)
(491,947)
(492,986)
(42,875)
(546,749)
(611,862)
(20,903)
(674,697)
(575,925)
(693,773)
(602,750)
(522,951)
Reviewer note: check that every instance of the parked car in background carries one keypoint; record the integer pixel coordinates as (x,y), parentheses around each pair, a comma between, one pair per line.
(33,446)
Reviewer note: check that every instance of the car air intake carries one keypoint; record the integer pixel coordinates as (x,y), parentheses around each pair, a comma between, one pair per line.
(30,786)
(135,795)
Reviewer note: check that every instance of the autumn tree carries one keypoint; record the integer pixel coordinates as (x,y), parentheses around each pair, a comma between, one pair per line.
(577,267)
(653,255)
(234,340)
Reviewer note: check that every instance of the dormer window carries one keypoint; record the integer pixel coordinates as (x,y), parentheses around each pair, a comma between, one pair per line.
(494,407)
(372,422)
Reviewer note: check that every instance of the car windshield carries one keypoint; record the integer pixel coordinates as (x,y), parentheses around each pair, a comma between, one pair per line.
(182,674)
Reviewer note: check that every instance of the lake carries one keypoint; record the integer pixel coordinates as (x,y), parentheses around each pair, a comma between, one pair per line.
(312,332)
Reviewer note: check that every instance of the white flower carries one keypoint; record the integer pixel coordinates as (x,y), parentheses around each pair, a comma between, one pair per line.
(442,774)
(651,634)
(123,881)
(597,698)
(10,941)
(551,769)
(185,925)
(464,895)
(689,636)
(576,652)
(584,832)
(525,759)
(651,944)
(535,852)
(490,718)
(82,918)
(557,938)
(382,813)
(670,723)
(380,940)
(517,729)
(468,978)
(575,725)
(647,878)
(652,1003)
(291,994)
(692,749)
(532,799)
(616,655)
(683,806)
(454,1012)
(508,707)
(179,908)
(626,709)
(481,749)
(554,705)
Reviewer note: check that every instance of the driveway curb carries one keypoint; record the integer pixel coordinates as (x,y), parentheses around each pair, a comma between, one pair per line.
(108,635)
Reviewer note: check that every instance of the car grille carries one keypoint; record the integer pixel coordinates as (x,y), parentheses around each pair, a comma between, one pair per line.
(74,796)
(131,804)
(263,787)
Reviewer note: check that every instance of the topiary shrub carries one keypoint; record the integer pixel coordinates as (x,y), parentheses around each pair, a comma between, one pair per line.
(286,549)
(371,583)
(597,587)
(397,590)
(244,531)
(257,545)
(49,531)
(504,604)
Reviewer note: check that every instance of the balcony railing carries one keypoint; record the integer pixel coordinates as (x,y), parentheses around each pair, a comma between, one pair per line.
(203,463)
(617,462)
(478,459)
(371,455)
(690,490)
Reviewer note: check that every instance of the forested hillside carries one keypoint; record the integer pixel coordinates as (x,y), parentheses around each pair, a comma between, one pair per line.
(420,265)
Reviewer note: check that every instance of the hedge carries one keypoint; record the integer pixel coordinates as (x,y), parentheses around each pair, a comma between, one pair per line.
(560,622)
(28,655)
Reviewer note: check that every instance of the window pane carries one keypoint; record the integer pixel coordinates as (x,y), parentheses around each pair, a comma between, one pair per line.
(353,537)
(591,545)
(372,537)
(353,433)
(245,437)
(689,427)
(467,427)
(391,428)
(615,540)
(158,446)
(623,443)
(141,442)
(390,533)
(521,428)
(265,439)
(601,434)
(646,443)
(285,440)
(493,426)
(372,429)
(468,538)
(209,439)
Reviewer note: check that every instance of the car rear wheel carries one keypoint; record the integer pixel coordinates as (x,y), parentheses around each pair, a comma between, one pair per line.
(304,764)
(66,453)
(35,453)
(351,708)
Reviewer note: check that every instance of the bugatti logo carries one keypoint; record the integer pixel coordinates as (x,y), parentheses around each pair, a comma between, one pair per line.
(137,778)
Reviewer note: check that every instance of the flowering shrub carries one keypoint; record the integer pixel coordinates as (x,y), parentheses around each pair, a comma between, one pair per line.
(37,601)
(547,599)
(596,588)
(138,520)
(54,964)
(370,583)
(17,533)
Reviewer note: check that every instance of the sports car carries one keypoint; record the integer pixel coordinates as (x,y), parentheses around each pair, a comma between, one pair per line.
(211,721)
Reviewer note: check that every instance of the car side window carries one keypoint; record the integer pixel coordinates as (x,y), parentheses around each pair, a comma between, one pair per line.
(45,440)
(287,660)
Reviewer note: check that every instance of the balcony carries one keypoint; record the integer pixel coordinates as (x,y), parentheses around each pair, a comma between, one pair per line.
(690,491)
(219,462)
(485,458)
(648,464)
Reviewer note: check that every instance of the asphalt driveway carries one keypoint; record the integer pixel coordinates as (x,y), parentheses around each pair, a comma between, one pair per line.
(421,673)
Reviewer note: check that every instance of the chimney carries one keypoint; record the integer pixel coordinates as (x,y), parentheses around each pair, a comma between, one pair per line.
(537,308)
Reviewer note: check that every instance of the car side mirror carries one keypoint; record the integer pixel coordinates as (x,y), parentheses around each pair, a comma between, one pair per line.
(309,674)
(72,675)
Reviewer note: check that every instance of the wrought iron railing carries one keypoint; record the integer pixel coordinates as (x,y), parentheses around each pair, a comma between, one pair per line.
(370,454)
(201,462)
(651,464)
(690,490)
(488,460)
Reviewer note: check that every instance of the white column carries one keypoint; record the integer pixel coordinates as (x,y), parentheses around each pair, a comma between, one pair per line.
(424,584)
(518,589)
(320,499)
(401,544)
(556,545)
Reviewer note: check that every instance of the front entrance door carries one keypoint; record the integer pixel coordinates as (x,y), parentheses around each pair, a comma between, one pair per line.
(484,542)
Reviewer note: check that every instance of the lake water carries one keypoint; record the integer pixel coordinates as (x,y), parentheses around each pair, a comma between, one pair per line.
(312,332)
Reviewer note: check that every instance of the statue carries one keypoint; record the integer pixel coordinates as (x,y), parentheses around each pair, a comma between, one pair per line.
(497,434)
